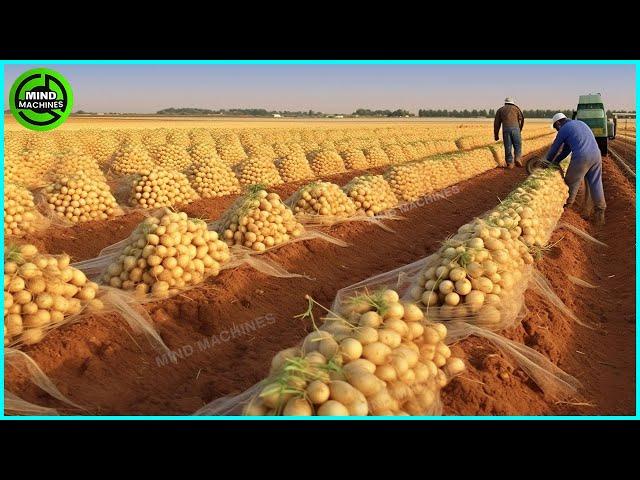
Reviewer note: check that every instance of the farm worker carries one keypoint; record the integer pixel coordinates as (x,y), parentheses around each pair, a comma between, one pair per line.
(512,121)
(586,162)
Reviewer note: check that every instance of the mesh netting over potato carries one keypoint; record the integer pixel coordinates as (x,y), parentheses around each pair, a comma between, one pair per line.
(20,213)
(80,198)
(211,177)
(131,158)
(258,171)
(325,163)
(40,291)
(293,167)
(170,157)
(371,194)
(372,355)
(354,159)
(321,198)
(166,253)
(160,188)
(258,220)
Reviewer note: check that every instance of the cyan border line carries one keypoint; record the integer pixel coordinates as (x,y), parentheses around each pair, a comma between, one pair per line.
(323,62)
(320,62)
(2,240)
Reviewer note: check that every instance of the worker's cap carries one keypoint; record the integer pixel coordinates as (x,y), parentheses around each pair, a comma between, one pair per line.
(509,100)
(556,117)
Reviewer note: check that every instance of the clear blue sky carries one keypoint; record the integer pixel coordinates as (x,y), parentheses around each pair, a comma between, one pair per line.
(338,88)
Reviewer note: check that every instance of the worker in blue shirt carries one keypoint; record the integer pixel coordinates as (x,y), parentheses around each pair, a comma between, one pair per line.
(576,137)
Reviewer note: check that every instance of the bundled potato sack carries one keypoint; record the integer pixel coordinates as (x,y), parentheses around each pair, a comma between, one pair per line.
(409,181)
(374,356)
(326,162)
(101,148)
(160,188)
(204,151)
(131,158)
(376,157)
(73,161)
(41,291)
(20,213)
(258,220)
(230,150)
(260,150)
(354,159)
(258,171)
(294,167)
(19,172)
(178,137)
(395,153)
(166,253)
(371,194)
(170,157)
(321,198)
(81,198)
(211,177)
(479,275)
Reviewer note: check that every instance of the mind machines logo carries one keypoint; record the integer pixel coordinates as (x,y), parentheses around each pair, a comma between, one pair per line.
(41,99)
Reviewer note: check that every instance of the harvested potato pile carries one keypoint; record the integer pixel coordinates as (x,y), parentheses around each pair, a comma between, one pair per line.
(326,162)
(260,150)
(40,291)
(170,157)
(20,213)
(259,220)
(102,148)
(167,252)
(379,358)
(294,167)
(179,138)
(161,188)
(395,153)
(410,152)
(204,151)
(354,159)
(376,157)
(476,274)
(75,161)
(230,150)
(371,194)
(408,181)
(258,171)
(131,158)
(80,198)
(322,198)
(211,177)
(20,172)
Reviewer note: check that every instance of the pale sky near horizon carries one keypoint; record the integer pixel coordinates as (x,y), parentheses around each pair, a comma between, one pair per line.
(338,88)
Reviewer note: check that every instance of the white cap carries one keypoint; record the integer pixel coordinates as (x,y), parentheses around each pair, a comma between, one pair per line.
(509,100)
(557,116)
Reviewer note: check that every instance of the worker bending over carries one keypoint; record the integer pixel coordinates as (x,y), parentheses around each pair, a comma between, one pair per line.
(512,121)
(586,162)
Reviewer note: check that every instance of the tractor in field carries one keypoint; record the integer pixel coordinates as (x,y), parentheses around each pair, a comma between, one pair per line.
(592,112)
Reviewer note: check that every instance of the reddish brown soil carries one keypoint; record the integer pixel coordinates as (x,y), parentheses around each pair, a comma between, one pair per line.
(627,151)
(603,360)
(100,365)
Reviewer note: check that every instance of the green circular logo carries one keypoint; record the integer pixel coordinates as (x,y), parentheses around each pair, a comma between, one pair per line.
(41,99)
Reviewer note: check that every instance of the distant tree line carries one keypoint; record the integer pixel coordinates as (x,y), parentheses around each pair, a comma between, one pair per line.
(253,112)
(365,112)
(484,113)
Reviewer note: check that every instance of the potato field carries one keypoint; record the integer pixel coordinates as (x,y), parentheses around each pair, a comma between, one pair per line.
(297,268)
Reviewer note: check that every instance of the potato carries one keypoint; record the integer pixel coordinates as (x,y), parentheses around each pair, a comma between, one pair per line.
(318,392)
(333,408)
(297,407)
(376,352)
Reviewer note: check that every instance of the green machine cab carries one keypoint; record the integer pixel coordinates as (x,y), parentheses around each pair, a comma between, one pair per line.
(592,112)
